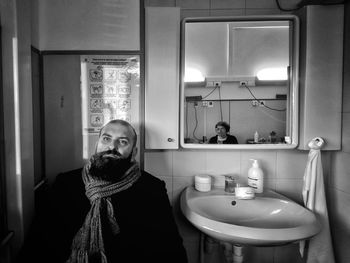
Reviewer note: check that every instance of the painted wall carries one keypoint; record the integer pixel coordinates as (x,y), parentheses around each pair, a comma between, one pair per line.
(283,169)
(87,25)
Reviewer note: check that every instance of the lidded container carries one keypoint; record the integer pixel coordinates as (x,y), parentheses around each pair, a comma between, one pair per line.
(202,183)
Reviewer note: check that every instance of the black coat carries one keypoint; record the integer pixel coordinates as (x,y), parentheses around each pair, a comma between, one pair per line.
(230,140)
(148,232)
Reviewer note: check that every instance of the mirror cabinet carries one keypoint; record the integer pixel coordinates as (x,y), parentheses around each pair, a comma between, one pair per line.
(242,71)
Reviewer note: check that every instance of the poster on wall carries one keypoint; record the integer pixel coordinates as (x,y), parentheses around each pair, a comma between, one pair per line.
(110,89)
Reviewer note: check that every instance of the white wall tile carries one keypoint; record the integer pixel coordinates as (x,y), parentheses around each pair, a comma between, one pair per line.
(339,209)
(194,13)
(327,166)
(179,185)
(227,12)
(262,11)
(220,163)
(189,163)
(225,162)
(160,2)
(270,184)
(341,244)
(340,175)
(291,164)
(346,132)
(159,163)
(266,159)
(224,4)
(261,4)
(291,188)
(193,4)
(346,91)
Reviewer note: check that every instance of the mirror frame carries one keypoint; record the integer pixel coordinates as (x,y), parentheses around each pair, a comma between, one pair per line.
(293,91)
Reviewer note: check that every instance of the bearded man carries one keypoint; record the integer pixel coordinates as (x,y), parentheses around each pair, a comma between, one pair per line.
(110,210)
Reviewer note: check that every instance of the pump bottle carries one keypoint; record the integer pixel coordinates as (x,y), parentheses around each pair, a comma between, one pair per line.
(256,137)
(256,177)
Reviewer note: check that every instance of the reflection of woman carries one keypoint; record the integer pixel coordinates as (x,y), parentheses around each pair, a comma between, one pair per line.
(222,129)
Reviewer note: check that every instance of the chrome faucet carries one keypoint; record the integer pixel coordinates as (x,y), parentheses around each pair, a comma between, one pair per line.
(230,184)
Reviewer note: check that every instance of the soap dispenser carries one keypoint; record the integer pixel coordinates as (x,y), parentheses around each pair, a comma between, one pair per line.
(256,137)
(256,177)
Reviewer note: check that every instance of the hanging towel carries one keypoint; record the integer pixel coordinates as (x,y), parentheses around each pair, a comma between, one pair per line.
(320,248)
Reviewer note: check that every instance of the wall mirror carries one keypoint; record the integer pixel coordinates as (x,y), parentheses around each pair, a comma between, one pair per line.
(243,71)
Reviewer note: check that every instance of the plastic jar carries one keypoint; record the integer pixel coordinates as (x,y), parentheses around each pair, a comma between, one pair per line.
(202,183)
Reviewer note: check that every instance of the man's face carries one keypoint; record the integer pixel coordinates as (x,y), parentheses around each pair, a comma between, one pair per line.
(114,152)
(221,131)
(116,136)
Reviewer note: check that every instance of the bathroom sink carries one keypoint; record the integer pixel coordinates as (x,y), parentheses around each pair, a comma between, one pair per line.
(268,219)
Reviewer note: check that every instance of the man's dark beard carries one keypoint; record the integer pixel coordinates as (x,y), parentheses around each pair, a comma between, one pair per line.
(109,168)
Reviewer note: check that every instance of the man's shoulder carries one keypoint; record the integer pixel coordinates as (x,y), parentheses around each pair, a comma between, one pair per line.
(151,179)
(150,185)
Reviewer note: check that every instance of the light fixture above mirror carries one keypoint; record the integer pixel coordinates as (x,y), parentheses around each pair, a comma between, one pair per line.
(243,71)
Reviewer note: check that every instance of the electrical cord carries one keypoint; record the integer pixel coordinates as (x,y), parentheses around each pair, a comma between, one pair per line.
(263,104)
(196,118)
(220,102)
(216,86)
(186,119)
(229,113)
(271,116)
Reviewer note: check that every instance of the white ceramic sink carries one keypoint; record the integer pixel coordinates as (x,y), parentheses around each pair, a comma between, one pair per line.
(268,219)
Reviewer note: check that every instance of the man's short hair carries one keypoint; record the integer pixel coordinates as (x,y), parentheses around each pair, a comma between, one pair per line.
(125,124)
(223,124)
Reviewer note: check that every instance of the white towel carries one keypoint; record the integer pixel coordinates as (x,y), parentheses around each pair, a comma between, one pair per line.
(320,248)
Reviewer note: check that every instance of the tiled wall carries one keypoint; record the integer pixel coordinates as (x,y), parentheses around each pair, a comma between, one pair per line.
(283,169)
(339,182)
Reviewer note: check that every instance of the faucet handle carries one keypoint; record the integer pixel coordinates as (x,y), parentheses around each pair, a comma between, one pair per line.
(230,183)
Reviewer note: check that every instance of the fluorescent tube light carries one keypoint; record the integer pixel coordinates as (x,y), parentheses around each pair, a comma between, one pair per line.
(193,75)
(272,74)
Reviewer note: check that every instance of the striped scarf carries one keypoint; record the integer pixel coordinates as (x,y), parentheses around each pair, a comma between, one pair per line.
(88,245)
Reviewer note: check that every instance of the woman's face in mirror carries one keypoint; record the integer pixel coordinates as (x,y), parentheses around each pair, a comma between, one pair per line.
(221,131)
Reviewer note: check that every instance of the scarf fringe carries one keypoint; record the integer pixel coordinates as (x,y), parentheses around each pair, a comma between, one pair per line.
(82,256)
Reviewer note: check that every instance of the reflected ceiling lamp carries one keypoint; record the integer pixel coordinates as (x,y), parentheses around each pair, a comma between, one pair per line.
(193,75)
(272,76)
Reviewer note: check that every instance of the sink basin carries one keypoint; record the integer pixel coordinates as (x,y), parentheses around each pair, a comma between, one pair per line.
(268,219)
